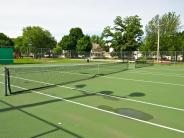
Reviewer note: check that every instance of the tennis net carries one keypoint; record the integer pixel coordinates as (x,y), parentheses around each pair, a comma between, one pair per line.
(143,63)
(31,78)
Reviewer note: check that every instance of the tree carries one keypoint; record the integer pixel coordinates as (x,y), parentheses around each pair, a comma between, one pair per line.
(69,42)
(110,38)
(179,44)
(76,33)
(5,40)
(169,26)
(95,39)
(151,34)
(66,43)
(36,37)
(126,33)
(18,45)
(57,50)
(84,44)
(132,33)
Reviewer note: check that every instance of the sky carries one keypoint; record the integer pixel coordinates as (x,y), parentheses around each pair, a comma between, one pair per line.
(58,16)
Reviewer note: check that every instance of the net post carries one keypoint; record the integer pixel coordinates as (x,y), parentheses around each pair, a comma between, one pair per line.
(5,81)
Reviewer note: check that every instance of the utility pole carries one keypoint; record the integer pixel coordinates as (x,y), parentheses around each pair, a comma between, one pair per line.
(158,41)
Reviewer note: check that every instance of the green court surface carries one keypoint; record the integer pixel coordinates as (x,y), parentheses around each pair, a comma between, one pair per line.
(136,103)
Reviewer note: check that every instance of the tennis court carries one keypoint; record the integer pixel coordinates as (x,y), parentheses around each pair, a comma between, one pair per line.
(93,100)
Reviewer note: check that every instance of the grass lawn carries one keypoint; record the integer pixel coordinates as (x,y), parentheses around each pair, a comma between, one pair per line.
(46,61)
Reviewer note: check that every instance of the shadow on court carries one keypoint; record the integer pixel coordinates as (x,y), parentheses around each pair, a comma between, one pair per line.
(136,94)
(80,85)
(56,128)
(128,112)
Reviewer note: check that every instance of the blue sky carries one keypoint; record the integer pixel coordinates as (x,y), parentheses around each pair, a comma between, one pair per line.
(58,16)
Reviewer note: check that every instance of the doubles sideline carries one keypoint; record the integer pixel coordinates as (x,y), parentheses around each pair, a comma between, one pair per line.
(164,69)
(121,78)
(154,82)
(158,74)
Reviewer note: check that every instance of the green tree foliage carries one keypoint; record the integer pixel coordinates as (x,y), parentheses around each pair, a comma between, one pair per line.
(179,41)
(66,43)
(69,42)
(169,26)
(76,34)
(36,37)
(5,40)
(84,44)
(18,44)
(96,39)
(126,33)
(133,32)
(57,50)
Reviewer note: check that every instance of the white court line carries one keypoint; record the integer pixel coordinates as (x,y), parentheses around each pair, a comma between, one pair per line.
(143,102)
(157,74)
(118,78)
(154,82)
(102,110)
(169,73)
(161,69)
(132,100)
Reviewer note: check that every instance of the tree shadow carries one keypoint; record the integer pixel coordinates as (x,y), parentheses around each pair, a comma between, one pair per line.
(107,95)
(106,92)
(134,113)
(80,85)
(105,107)
(84,73)
(136,94)
(128,112)
(80,96)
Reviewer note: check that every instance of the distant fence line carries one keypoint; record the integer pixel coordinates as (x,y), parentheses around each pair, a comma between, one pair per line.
(164,56)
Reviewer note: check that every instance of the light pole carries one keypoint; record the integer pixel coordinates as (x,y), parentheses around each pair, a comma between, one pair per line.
(158,41)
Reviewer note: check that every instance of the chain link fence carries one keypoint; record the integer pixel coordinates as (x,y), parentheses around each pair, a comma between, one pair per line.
(165,57)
